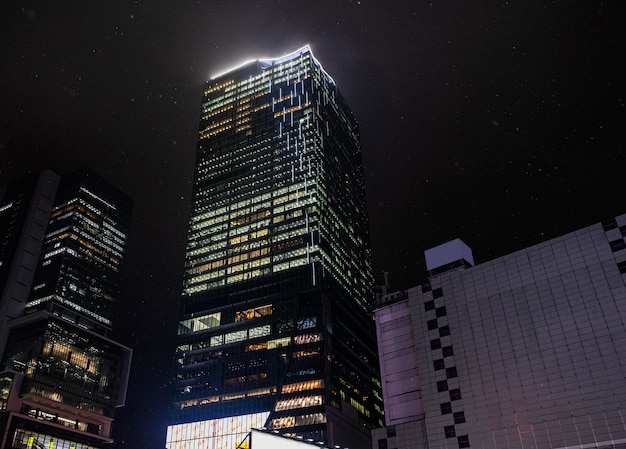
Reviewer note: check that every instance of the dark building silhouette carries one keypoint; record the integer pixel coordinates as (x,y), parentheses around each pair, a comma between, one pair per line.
(25,208)
(276,327)
(61,376)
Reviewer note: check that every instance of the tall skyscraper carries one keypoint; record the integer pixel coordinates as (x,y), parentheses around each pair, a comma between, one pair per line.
(83,248)
(61,376)
(524,351)
(276,325)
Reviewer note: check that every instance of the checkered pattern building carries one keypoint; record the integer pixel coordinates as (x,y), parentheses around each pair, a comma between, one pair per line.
(525,351)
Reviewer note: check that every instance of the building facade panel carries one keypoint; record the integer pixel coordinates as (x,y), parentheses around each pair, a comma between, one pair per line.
(535,351)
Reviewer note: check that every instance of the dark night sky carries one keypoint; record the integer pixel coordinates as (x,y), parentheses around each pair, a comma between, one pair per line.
(500,122)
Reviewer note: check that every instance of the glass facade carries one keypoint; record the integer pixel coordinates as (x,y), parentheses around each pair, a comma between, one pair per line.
(66,363)
(276,308)
(61,377)
(83,248)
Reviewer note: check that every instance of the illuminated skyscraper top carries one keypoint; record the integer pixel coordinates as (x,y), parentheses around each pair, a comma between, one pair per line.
(278,145)
(277,291)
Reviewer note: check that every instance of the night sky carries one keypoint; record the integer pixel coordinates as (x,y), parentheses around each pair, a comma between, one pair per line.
(499,122)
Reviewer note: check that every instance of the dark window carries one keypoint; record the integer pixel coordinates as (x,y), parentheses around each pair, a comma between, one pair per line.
(459,417)
(439,364)
(446,408)
(432,324)
(463,441)
(437,293)
(435,344)
(391,431)
(426,287)
(609,224)
(449,431)
(447,351)
(622,267)
(622,229)
(451,372)
(444,331)
(616,245)
(429,305)
(455,394)
(441,311)
(442,385)
(382,443)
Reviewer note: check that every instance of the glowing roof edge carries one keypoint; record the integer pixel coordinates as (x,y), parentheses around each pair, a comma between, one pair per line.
(287,57)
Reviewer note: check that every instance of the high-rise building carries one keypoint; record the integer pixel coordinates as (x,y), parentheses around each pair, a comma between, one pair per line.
(83,247)
(276,327)
(25,208)
(61,376)
(524,351)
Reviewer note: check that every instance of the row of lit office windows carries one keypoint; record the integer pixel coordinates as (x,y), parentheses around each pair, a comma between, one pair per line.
(88,217)
(86,247)
(222,150)
(251,83)
(298,402)
(247,218)
(232,96)
(98,197)
(296,421)
(207,356)
(289,227)
(208,113)
(219,86)
(232,337)
(253,153)
(259,181)
(219,221)
(226,214)
(213,126)
(106,218)
(85,251)
(117,234)
(71,304)
(248,273)
(292,193)
(240,380)
(108,253)
(295,258)
(288,404)
(292,223)
(241,335)
(213,320)
(246,255)
(72,355)
(57,419)
(226,397)
(54,394)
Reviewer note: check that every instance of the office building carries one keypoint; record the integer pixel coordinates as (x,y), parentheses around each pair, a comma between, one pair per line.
(524,351)
(25,208)
(276,327)
(83,247)
(61,376)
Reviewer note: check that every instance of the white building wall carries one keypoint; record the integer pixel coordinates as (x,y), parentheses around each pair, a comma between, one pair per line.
(527,350)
